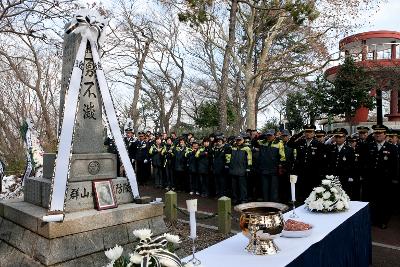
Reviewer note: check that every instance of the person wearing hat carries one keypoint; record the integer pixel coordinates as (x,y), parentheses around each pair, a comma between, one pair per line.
(157,162)
(341,161)
(168,158)
(203,156)
(380,160)
(140,151)
(218,166)
(287,167)
(393,138)
(310,163)
(362,133)
(130,140)
(179,152)
(357,170)
(240,162)
(320,136)
(192,165)
(270,162)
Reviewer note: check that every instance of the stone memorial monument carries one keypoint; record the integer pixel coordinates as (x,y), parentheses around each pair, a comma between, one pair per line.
(83,235)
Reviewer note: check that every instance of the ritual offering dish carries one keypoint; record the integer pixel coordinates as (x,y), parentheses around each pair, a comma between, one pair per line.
(295,228)
(261,222)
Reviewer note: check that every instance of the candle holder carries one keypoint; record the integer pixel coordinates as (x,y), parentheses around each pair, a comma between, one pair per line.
(294,215)
(194,260)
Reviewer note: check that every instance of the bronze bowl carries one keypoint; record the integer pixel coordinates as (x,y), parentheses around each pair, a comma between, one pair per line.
(261,222)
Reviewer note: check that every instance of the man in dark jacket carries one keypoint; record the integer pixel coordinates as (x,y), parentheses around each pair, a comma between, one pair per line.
(168,158)
(141,156)
(203,156)
(270,162)
(218,166)
(380,161)
(192,168)
(156,159)
(287,167)
(180,165)
(310,163)
(341,160)
(240,161)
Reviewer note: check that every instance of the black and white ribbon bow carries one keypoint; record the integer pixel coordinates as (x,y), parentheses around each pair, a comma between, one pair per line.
(90,23)
(154,251)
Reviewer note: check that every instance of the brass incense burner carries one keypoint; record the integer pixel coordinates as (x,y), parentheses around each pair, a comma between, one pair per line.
(261,222)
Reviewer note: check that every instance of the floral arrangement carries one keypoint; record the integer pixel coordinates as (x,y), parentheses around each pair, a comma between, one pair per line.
(150,252)
(328,197)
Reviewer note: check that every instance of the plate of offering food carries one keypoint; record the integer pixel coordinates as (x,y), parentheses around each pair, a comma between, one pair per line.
(295,228)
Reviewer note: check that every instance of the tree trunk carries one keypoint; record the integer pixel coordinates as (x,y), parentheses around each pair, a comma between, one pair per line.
(222,94)
(251,96)
(237,125)
(133,111)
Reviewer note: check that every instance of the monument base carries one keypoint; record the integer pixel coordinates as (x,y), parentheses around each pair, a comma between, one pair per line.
(80,240)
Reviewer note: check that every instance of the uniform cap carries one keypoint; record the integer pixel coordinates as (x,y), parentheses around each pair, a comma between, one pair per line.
(320,133)
(363,129)
(340,132)
(379,128)
(285,132)
(270,132)
(309,127)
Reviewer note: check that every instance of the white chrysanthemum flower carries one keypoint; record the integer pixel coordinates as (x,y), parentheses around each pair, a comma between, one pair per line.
(168,263)
(334,190)
(172,238)
(319,204)
(142,234)
(346,205)
(135,258)
(114,253)
(326,182)
(326,195)
(339,205)
(319,189)
(327,204)
(330,177)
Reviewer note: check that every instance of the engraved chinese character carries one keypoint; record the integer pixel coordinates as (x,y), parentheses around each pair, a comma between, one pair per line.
(74,193)
(88,111)
(127,188)
(90,67)
(118,188)
(88,89)
(85,193)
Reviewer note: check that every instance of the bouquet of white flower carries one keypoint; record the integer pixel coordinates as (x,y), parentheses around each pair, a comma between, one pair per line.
(328,197)
(150,252)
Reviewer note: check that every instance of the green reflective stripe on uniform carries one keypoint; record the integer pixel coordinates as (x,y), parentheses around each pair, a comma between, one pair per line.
(228,158)
(281,147)
(249,155)
(199,151)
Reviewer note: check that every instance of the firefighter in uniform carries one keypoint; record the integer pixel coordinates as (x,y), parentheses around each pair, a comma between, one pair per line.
(240,161)
(309,163)
(270,163)
(380,160)
(341,161)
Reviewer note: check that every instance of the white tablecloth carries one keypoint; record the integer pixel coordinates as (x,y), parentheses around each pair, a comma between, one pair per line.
(231,252)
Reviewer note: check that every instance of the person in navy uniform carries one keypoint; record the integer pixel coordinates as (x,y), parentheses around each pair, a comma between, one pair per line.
(341,160)
(157,162)
(356,184)
(140,150)
(380,160)
(393,138)
(284,180)
(310,163)
(130,140)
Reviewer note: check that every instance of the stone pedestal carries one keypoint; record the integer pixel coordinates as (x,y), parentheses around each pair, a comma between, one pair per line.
(80,240)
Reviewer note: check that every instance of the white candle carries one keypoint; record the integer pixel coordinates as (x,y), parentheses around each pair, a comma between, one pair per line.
(192,208)
(293,180)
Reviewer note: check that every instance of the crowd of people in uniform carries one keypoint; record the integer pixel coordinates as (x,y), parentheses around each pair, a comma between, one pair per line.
(256,166)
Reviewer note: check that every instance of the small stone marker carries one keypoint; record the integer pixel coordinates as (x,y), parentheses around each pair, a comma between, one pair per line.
(224,215)
(171,203)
